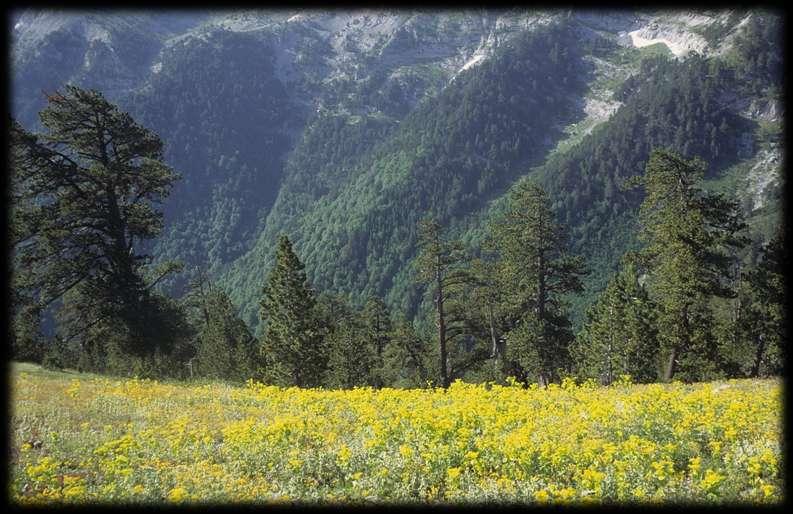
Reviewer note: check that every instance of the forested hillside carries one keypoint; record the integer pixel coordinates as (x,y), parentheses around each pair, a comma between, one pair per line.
(529,256)
(230,122)
(342,130)
(450,157)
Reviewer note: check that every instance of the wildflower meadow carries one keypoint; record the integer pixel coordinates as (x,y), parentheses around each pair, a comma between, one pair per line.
(80,438)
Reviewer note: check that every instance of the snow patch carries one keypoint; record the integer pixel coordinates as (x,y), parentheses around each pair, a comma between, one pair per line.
(600,110)
(473,61)
(18,25)
(640,42)
(680,42)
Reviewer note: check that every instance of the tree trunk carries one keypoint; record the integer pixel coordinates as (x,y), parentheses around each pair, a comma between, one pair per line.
(441,325)
(670,366)
(682,345)
(379,340)
(542,379)
(494,353)
(758,359)
(610,350)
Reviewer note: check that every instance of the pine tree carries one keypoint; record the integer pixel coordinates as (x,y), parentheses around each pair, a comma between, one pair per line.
(619,336)
(407,358)
(292,345)
(83,199)
(493,315)
(378,327)
(536,273)
(26,338)
(763,321)
(690,235)
(224,346)
(440,265)
(352,353)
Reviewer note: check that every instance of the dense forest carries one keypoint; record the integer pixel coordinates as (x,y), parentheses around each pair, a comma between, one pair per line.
(418,234)
(355,188)
(450,155)
(681,307)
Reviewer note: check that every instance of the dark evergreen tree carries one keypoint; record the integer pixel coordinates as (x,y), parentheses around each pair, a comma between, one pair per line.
(493,316)
(378,327)
(83,197)
(27,341)
(757,331)
(619,337)
(536,273)
(224,346)
(691,236)
(342,333)
(440,266)
(352,355)
(292,345)
(408,359)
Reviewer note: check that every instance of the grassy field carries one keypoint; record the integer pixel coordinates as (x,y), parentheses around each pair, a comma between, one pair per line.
(78,438)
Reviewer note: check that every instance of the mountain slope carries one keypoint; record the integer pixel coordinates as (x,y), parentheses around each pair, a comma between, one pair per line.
(343,128)
(450,156)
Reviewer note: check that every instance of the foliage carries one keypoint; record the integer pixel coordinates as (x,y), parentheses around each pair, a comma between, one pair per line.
(535,273)
(27,343)
(754,336)
(224,346)
(352,338)
(619,336)
(758,52)
(78,439)
(408,360)
(84,197)
(357,221)
(682,105)
(378,330)
(691,238)
(227,118)
(441,267)
(352,188)
(292,346)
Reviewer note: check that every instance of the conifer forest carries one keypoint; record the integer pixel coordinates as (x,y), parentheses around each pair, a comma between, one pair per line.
(358,256)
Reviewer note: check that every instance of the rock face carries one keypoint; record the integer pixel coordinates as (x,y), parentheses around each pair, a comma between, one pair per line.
(119,53)
(677,40)
(764,176)
(237,95)
(110,52)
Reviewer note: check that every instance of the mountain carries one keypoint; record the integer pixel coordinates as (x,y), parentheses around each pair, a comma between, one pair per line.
(343,128)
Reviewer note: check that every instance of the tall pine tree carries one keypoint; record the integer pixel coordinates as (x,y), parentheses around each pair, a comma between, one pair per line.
(762,320)
(619,337)
(690,235)
(378,329)
(536,272)
(224,346)
(84,196)
(292,344)
(441,266)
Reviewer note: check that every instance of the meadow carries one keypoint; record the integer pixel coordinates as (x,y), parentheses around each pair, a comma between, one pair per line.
(79,438)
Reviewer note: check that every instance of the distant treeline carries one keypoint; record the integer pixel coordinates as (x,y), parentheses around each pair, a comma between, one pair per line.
(84,199)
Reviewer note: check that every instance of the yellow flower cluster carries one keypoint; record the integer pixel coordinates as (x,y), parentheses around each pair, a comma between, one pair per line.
(97,440)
